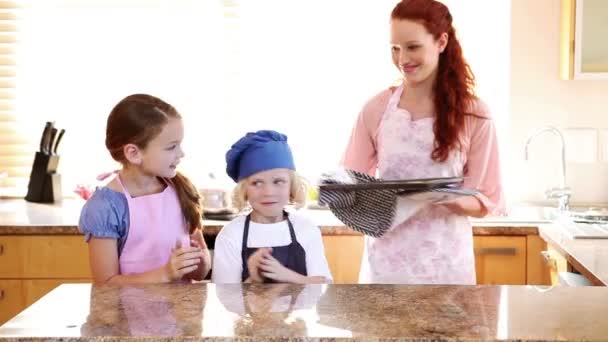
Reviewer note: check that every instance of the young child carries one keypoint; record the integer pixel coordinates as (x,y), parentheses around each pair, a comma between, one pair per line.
(145,226)
(269,244)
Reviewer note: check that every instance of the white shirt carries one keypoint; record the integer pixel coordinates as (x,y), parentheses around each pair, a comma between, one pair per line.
(227,262)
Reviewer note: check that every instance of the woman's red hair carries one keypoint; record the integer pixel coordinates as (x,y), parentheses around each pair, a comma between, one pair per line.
(454,86)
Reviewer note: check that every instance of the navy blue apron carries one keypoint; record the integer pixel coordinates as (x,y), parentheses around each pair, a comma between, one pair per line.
(292,256)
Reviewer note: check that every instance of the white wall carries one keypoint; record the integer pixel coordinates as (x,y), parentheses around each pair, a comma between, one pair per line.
(538,97)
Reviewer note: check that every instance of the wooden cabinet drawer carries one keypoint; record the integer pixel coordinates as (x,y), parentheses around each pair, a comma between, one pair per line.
(500,259)
(44,257)
(17,295)
(34,289)
(11,299)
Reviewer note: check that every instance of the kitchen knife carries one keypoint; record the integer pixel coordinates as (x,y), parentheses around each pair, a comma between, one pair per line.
(58,140)
(52,140)
(44,137)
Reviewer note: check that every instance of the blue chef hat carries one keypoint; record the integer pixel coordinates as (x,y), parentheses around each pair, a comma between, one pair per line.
(256,152)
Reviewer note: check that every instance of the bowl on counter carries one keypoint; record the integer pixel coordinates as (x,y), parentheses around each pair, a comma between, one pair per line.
(217,205)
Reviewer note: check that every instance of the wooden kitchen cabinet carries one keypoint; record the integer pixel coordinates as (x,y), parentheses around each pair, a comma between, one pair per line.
(11,299)
(16,295)
(344,253)
(43,256)
(583,51)
(31,266)
(537,266)
(34,289)
(555,263)
(500,260)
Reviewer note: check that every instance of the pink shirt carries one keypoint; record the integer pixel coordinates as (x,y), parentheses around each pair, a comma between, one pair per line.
(480,147)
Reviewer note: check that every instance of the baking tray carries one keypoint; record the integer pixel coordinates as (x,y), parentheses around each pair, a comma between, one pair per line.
(403,185)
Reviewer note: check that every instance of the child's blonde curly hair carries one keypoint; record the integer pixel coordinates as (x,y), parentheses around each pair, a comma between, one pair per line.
(297,196)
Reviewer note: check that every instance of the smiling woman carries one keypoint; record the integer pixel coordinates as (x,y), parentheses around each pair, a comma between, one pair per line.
(431,125)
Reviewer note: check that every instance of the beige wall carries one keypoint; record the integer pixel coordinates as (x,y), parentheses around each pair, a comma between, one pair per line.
(537,98)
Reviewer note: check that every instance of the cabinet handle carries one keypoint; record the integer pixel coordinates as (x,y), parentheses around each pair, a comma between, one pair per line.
(497,251)
(549,259)
(1,249)
(1,294)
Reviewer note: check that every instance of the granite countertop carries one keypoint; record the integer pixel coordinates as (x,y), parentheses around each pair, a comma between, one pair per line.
(588,256)
(314,312)
(18,217)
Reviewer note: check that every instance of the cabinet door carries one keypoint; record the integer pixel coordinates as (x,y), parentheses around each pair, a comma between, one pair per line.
(34,289)
(44,257)
(344,254)
(17,295)
(11,299)
(583,51)
(537,266)
(500,260)
(555,263)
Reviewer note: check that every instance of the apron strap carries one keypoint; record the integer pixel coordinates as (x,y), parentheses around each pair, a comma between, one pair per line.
(244,245)
(292,232)
(124,189)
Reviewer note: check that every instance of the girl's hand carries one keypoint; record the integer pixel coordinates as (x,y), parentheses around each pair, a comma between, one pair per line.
(273,269)
(183,261)
(197,240)
(253,264)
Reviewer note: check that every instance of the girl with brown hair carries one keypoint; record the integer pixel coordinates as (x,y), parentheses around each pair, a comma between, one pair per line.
(145,226)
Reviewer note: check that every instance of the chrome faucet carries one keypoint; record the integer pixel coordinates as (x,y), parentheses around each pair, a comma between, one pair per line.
(561,193)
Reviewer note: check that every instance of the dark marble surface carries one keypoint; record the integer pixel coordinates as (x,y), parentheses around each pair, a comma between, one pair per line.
(313,312)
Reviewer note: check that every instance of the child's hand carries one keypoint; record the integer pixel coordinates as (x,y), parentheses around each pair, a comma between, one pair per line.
(183,261)
(253,264)
(197,239)
(273,269)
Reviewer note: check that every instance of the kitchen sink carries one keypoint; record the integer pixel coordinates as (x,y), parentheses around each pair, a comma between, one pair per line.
(533,213)
(577,222)
(522,214)
(539,214)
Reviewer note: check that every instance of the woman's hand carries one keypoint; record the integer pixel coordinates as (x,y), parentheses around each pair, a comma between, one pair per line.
(253,264)
(183,261)
(465,206)
(273,269)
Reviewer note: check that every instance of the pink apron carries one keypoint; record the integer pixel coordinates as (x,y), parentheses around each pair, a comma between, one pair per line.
(434,246)
(156,223)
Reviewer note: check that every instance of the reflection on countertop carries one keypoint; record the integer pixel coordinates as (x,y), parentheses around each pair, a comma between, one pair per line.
(259,312)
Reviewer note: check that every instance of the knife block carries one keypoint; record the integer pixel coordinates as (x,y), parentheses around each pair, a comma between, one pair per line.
(45,182)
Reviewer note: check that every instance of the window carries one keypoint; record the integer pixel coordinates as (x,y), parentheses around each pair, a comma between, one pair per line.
(13,147)
(229,67)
